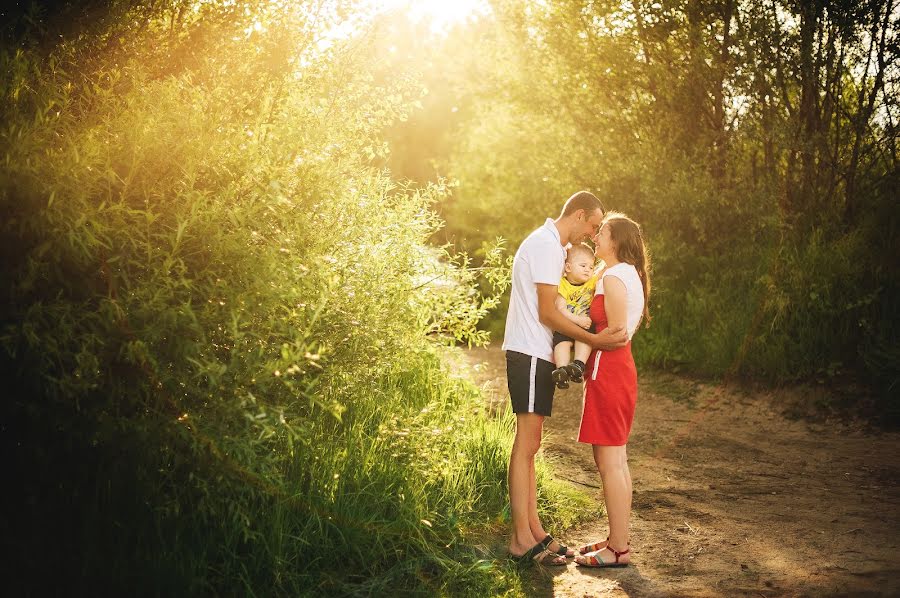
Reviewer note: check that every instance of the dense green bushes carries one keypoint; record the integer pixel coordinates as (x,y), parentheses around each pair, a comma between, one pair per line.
(759,160)
(216,314)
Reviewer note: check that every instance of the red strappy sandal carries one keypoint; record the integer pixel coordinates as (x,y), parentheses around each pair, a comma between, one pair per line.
(593,547)
(591,560)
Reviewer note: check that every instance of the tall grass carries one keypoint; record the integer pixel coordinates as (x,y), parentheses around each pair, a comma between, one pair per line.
(219,321)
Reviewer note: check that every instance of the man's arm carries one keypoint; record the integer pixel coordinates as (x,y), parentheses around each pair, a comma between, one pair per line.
(606,339)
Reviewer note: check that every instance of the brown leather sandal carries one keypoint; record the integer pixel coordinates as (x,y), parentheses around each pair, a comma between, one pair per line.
(563,550)
(538,553)
(550,558)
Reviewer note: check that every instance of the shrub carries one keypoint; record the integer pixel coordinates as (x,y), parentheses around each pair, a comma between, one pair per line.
(217,312)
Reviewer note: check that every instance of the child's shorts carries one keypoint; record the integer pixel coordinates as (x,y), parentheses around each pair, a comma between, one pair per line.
(559,337)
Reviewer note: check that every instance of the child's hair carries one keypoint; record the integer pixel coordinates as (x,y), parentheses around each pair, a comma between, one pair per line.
(579,248)
(630,248)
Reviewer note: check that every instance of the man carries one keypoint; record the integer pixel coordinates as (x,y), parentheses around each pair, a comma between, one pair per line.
(528,342)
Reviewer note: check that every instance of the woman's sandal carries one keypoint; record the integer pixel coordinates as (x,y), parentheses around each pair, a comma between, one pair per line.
(593,547)
(539,553)
(591,560)
(563,550)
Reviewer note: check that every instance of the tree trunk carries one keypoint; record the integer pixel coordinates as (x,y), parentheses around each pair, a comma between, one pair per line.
(720,157)
(866,106)
(809,95)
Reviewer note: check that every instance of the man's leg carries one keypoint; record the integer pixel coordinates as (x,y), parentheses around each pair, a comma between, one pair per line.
(521,480)
(534,522)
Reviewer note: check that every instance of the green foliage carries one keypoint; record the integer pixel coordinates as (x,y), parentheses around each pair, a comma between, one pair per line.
(754,142)
(219,317)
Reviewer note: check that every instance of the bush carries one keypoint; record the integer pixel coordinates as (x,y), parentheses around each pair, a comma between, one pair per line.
(216,323)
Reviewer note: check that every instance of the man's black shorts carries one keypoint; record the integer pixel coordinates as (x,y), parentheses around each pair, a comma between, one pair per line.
(530,382)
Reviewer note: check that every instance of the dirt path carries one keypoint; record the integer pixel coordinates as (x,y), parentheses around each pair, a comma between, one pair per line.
(730,497)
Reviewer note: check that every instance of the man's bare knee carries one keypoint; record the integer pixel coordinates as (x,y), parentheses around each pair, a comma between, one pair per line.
(528,434)
(527,445)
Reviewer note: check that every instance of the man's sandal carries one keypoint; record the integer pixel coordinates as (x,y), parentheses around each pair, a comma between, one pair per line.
(563,550)
(593,547)
(591,560)
(539,553)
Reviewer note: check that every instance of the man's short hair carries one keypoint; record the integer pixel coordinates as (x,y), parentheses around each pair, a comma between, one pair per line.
(583,200)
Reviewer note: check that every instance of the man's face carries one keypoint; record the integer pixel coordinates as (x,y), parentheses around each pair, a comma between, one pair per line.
(588,226)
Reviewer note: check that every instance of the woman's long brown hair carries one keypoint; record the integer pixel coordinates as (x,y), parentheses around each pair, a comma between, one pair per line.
(631,249)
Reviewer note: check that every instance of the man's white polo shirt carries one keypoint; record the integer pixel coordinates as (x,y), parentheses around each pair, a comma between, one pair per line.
(539,260)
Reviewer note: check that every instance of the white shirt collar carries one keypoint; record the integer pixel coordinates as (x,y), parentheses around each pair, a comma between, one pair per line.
(550,224)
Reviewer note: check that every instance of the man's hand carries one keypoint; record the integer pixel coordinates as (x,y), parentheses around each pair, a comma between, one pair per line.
(610,338)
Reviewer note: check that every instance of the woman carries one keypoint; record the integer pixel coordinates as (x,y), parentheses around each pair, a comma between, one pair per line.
(611,380)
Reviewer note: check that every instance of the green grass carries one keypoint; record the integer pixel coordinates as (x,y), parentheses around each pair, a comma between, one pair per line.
(219,320)
(407,493)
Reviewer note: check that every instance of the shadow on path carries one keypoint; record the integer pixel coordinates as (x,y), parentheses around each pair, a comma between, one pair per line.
(731,498)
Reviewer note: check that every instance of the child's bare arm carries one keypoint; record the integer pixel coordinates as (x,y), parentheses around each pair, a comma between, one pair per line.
(560,303)
(582,321)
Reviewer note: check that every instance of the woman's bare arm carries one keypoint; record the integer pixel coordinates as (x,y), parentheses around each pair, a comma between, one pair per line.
(615,302)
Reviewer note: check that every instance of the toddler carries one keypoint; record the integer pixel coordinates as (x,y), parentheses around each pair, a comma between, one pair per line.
(576,290)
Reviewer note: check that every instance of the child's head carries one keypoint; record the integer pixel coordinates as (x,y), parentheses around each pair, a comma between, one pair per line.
(579,263)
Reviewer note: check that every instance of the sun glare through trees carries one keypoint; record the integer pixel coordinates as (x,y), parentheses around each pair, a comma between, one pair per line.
(278,217)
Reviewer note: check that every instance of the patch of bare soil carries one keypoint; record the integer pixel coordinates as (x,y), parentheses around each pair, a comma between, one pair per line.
(731,498)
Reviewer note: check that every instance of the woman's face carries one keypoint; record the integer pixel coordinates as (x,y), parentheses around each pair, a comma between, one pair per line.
(604,247)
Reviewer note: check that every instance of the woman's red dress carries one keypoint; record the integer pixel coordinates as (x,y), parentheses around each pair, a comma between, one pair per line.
(610,390)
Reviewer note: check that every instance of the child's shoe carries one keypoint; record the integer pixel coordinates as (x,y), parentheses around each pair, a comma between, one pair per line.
(561,377)
(576,371)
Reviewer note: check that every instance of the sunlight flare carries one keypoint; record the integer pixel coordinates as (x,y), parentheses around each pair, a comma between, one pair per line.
(440,13)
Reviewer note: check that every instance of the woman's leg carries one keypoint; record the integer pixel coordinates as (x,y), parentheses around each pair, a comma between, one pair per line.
(522,490)
(612,463)
(630,493)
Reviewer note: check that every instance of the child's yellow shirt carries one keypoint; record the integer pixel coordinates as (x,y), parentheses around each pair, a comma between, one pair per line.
(578,296)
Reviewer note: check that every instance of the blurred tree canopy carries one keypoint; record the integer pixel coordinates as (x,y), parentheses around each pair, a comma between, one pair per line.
(755,142)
